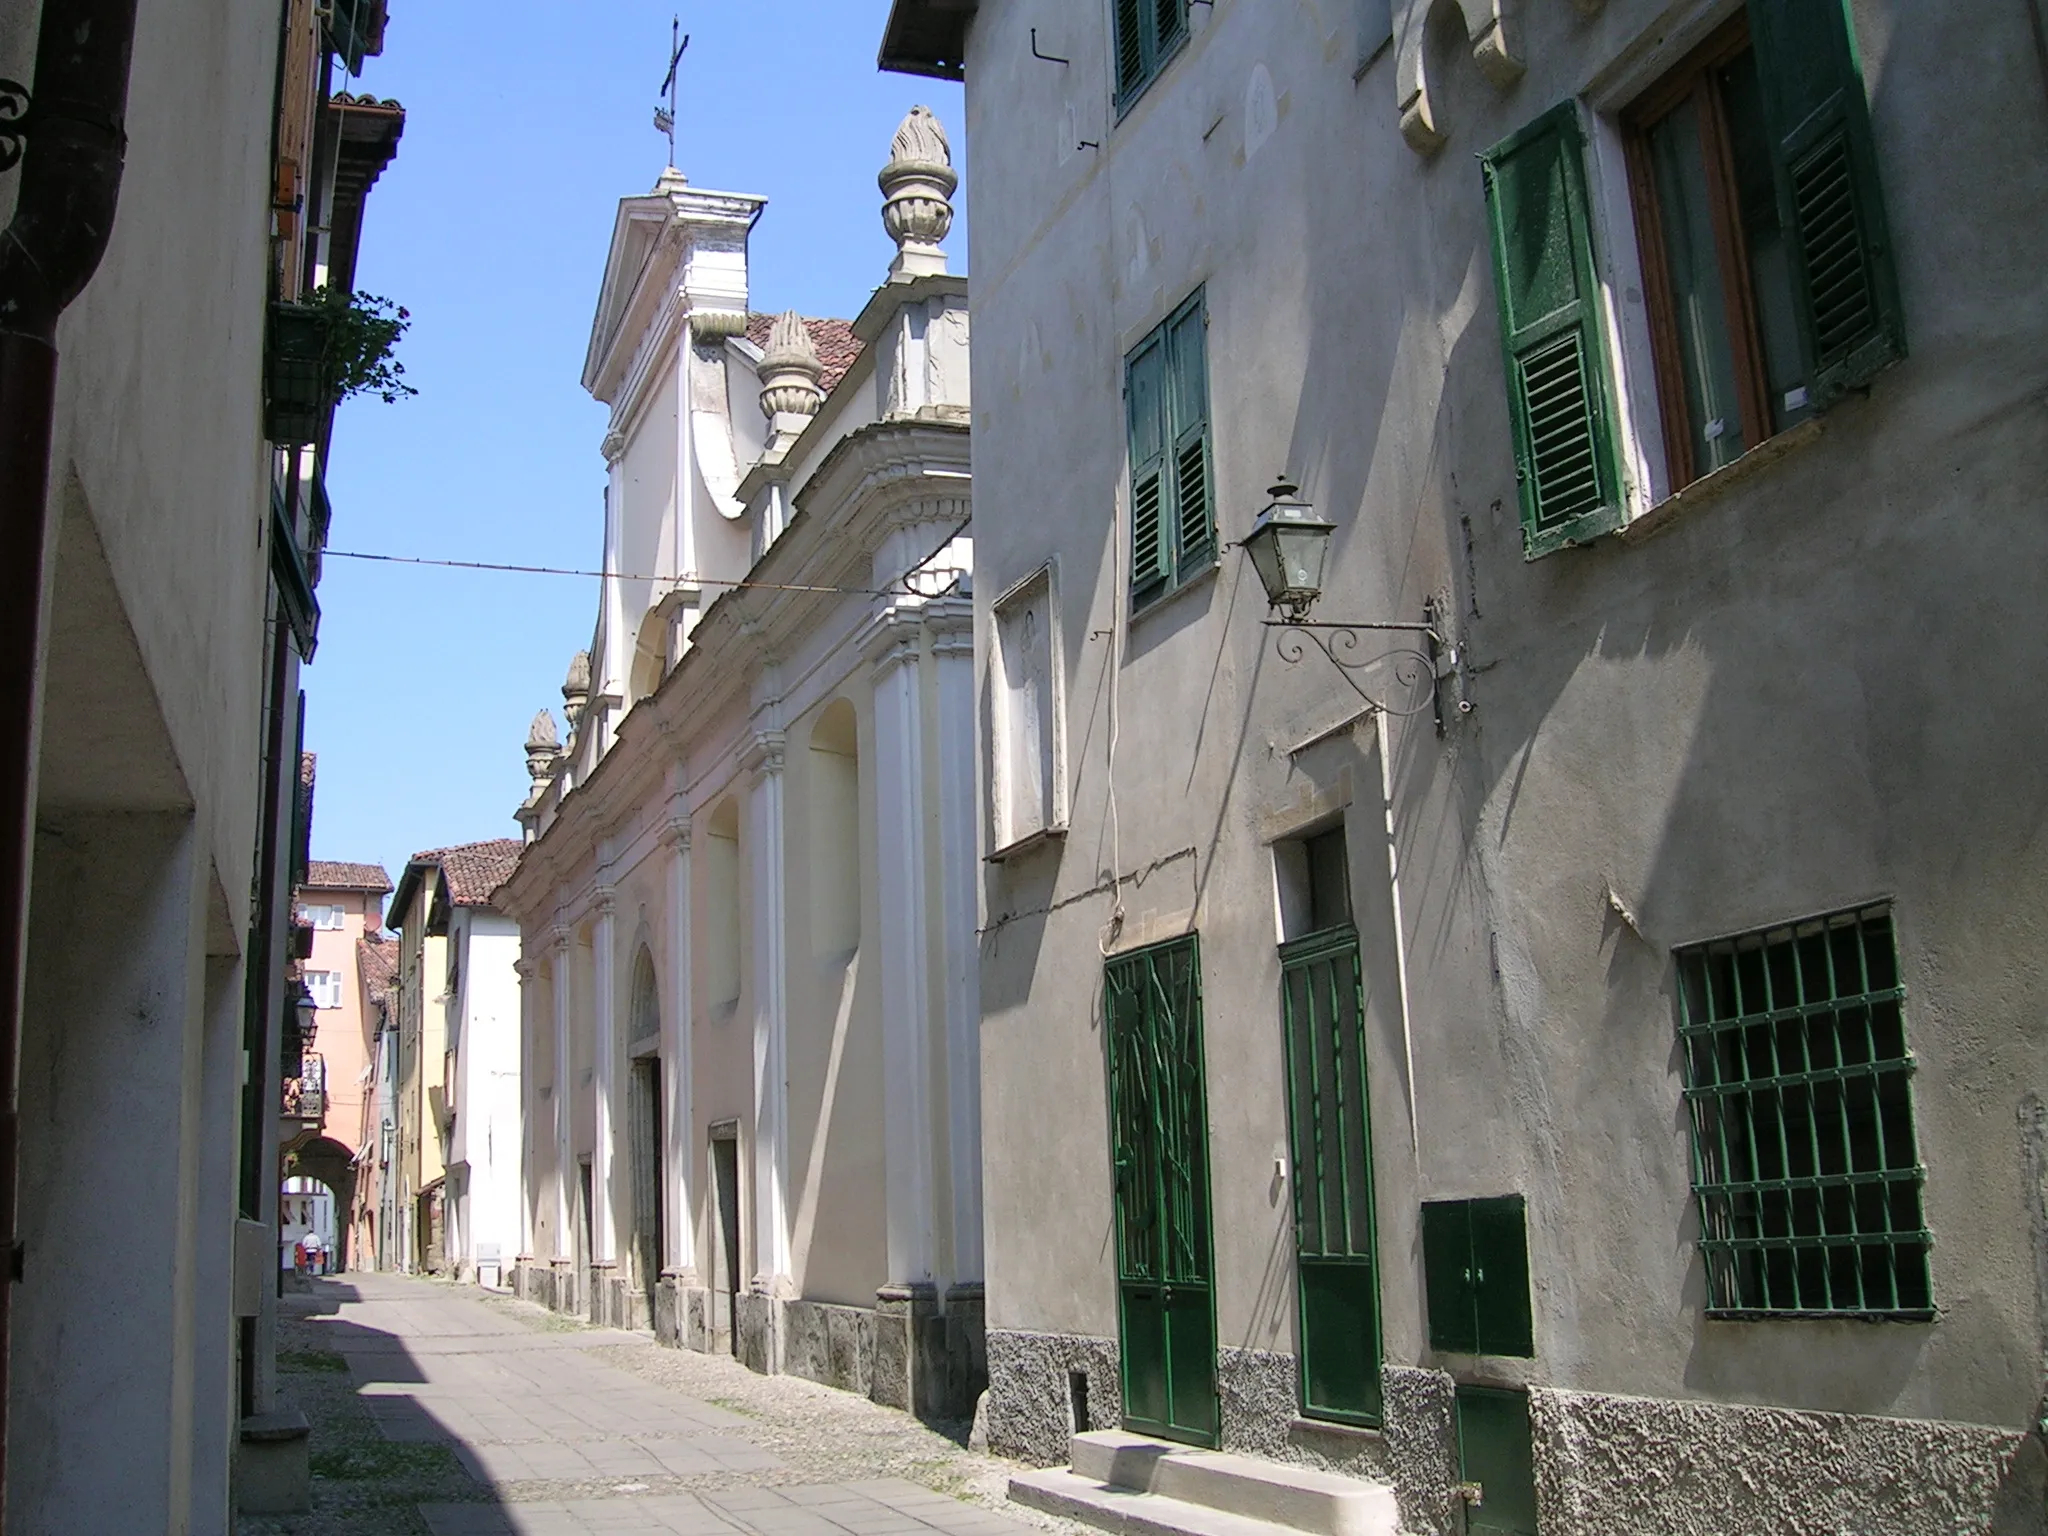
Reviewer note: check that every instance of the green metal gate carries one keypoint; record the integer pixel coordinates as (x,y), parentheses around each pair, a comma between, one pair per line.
(1159,1130)
(1329,1115)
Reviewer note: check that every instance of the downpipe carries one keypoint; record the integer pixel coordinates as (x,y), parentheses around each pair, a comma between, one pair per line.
(63,218)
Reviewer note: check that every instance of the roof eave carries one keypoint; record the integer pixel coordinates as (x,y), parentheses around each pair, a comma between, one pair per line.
(926,37)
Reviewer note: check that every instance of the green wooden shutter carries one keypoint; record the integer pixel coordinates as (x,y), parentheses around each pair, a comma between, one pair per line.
(1170,25)
(1500,1276)
(1843,282)
(1145,392)
(1560,398)
(349,27)
(1130,46)
(1194,502)
(1447,1276)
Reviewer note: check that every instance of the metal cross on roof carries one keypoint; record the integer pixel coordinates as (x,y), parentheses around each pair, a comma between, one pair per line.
(665,117)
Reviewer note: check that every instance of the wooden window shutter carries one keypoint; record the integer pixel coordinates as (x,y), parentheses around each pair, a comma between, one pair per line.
(1171,21)
(1194,501)
(1145,390)
(1560,400)
(1843,281)
(1130,46)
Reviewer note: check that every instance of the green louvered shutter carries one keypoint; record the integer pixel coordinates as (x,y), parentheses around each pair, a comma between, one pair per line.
(1560,400)
(1171,19)
(1145,395)
(349,25)
(1828,196)
(1130,46)
(1194,501)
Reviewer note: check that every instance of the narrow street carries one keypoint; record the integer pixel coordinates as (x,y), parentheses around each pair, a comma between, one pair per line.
(442,1410)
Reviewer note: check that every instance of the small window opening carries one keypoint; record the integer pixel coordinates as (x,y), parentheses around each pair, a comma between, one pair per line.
(1314,881)
(1077,1400)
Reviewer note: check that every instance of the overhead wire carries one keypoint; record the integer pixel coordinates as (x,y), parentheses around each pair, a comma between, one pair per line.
(895,587)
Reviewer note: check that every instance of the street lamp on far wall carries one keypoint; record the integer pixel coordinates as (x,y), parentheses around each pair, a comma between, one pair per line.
(1288,545)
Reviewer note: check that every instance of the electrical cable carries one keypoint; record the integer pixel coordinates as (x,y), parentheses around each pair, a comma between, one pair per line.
(894,588)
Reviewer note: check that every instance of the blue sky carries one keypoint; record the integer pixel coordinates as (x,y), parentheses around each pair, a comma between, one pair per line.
(523,129)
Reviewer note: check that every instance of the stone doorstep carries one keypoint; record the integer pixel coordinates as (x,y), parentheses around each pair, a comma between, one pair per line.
(1267,1493)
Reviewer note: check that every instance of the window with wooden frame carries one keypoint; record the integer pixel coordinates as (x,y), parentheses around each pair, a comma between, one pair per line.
(1166,410)
(1766,261)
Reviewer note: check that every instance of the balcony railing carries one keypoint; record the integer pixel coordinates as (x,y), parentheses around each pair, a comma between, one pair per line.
(305,1096)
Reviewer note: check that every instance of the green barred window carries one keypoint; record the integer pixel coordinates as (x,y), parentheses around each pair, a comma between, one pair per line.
(1799,1087)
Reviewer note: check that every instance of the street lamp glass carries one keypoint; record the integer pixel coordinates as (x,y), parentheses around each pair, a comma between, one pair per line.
(1287,546)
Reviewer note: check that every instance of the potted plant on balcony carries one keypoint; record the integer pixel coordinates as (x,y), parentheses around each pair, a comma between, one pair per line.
(324,348)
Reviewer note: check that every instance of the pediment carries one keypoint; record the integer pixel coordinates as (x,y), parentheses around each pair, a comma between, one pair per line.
(636,238)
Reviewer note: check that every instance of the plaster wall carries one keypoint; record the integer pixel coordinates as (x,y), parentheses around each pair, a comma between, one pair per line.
(1795,698)
(342,1035)
(488,1123)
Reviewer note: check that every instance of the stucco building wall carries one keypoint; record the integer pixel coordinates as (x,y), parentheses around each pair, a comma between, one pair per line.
(1793,698)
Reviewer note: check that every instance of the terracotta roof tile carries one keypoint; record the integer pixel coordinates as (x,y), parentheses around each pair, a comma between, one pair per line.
(838,348)
(474,870)
(377,964)
(329,875)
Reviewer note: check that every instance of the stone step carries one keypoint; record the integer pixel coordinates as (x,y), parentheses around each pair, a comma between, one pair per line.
(1126,1512)
(1123,1478)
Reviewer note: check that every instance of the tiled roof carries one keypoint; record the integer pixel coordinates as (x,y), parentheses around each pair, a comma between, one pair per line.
(377,963)
(838,348)
(472,870)
(329,875)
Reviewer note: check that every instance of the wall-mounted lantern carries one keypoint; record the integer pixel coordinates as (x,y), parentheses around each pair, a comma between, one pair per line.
(1288,545)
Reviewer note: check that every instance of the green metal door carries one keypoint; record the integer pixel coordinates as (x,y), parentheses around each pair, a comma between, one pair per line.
(1159,1129)
(1336,1263)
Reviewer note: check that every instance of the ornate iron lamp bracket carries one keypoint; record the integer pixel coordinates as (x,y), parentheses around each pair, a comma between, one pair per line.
(1416,671)
(16,113)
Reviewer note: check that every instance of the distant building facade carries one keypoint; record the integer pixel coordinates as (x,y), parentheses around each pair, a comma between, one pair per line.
(746,904)
(342,906)
(1572,1029)
(453,1069)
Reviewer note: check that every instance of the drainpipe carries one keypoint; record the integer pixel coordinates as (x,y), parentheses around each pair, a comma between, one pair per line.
(63,216)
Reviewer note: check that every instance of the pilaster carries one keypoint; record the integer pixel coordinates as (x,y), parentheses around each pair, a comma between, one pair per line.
(765,809)
(604,1080)
(529,1079)
(565,1151)
(895,652)
(677,1100)
(950,623)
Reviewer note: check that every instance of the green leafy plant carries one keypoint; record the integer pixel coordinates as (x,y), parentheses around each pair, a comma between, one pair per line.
(362,333)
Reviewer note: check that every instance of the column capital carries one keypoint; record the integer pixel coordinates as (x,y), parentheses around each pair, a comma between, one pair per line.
(606,901)
(558,938)
(526,969)
(675,833)
(893,637)
(951,623)
(612,446)
(764,753)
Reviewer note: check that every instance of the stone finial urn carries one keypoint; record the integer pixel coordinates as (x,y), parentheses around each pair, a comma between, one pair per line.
(790,372)
(543,746)
(917,188)
(576,689)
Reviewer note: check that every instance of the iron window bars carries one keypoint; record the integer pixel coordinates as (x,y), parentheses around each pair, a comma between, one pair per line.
(1799,1091)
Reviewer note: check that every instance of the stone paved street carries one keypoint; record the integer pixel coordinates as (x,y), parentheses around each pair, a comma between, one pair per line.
(440,1410)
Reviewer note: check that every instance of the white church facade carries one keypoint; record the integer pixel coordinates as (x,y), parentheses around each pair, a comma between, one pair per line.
(747,905)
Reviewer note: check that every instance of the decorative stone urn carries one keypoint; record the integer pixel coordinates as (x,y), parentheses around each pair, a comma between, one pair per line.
(543,746)
(576,690)
(917,188)
(790,373)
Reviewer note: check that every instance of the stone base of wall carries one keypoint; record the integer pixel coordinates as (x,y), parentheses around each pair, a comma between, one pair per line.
(829,1343)
(1040,1383)
(1666,1468)
(757,1325)
(1604,1463)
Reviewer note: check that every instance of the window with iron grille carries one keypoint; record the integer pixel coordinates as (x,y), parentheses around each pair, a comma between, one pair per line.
(1148,33)
(1166,408)
(1799,1090)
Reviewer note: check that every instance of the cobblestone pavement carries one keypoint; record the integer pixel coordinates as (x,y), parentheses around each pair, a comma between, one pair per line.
(441,1410)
